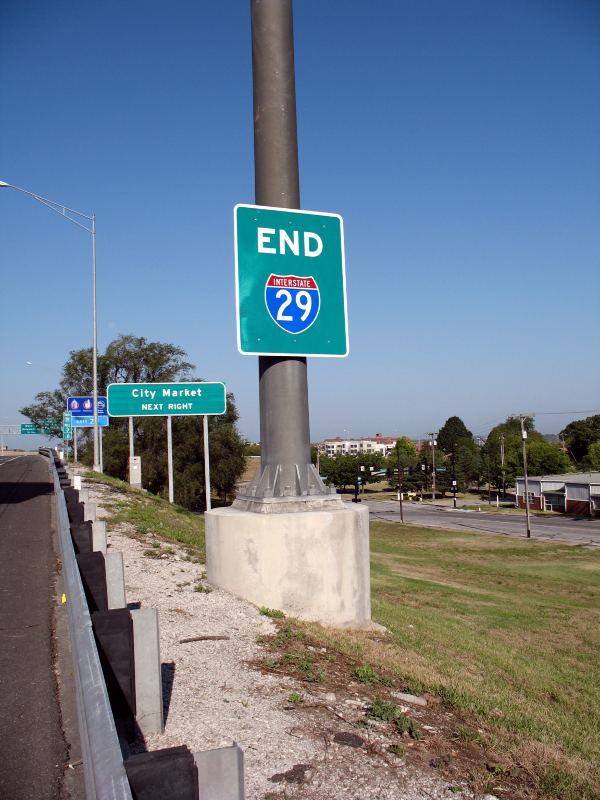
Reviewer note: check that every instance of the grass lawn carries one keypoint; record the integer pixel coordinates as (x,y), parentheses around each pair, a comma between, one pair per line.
(504,631)
(149,514)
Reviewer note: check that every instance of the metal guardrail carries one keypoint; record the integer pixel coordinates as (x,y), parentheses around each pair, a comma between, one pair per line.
(105,776)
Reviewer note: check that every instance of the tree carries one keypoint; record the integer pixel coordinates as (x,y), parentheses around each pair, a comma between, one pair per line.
(593,455)
(405,450)
(133,359)
(546,458)
(543,458)
(451,432)
(341,471)
(47,405)
(456,441)
(580,435)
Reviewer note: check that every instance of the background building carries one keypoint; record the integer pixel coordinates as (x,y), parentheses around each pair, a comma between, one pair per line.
(574,493)
(353,447)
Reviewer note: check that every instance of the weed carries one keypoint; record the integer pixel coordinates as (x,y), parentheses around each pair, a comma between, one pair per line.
(407,725)
(151,553)
(366,674)
(202,587)
(274,613)
(396,750)
(303,663)
(288,633)
(469,735)
(270,663)
(381,709)
(296,697)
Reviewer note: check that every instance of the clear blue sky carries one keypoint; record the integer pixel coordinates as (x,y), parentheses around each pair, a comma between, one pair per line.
(459,141)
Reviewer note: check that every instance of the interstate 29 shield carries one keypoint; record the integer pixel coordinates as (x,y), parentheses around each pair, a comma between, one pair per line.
(293,302)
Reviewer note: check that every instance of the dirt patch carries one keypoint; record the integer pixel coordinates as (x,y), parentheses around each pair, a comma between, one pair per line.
(347,703)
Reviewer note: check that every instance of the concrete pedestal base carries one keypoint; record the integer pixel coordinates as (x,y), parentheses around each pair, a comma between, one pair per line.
(312,564)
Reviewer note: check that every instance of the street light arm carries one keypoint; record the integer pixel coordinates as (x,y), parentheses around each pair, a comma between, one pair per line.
(64,212)
(58,208)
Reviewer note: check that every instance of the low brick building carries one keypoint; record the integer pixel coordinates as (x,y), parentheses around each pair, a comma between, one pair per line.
(573,493)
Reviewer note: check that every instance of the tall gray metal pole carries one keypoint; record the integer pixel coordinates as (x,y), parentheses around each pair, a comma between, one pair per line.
(206,461)
(286,469)
(170,457)
(524,437)
(97,458)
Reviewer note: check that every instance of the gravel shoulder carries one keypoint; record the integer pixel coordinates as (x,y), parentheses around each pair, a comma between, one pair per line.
(218,691)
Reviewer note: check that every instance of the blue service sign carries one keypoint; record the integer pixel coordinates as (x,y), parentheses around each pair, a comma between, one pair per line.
(84,406)
(88,422)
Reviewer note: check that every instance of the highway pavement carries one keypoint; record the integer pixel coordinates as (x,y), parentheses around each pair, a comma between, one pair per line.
(33,752)
(549,528)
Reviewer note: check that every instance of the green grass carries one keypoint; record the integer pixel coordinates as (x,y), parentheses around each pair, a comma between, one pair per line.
(504,630)
(152,516)
(274,613)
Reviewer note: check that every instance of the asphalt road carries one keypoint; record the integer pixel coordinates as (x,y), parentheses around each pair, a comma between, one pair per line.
(32,747)
(556,528)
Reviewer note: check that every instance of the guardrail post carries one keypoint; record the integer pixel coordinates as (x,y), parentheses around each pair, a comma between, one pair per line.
(115,580)
(221,773)
(148,679)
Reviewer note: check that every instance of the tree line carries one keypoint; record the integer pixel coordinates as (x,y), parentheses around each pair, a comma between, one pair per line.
(133,359)
(461,457)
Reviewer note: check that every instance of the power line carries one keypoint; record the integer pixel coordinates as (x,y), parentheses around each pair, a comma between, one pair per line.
(558,413)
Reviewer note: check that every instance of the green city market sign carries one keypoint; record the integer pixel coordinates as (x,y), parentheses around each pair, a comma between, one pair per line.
(165,399)
(290,282)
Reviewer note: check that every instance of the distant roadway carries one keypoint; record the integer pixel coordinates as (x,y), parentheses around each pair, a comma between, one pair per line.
(556,528)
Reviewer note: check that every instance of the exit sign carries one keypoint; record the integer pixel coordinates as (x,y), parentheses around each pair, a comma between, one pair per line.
(166,399)
(290,282)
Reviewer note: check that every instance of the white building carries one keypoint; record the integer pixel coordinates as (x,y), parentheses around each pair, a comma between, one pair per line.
(353,447)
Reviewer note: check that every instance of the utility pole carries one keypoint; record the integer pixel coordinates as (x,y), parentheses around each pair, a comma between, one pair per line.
(502,463)
(399,483)
(432,444)
(524,438)
(453,479)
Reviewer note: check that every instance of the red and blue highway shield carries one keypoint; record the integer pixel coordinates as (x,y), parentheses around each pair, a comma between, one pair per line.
(292,302)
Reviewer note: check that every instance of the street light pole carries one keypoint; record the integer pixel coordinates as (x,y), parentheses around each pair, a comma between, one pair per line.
(66,213)
(97,456)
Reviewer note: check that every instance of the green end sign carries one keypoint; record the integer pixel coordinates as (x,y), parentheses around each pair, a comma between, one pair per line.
(290,282)
(67,426)
(165,399)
